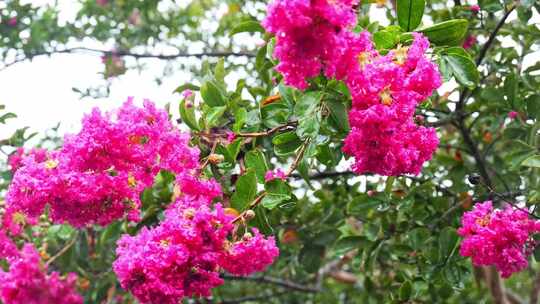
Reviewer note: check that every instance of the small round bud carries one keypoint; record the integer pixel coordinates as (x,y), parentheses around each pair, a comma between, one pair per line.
(215,158)
(249,215)
(371,193)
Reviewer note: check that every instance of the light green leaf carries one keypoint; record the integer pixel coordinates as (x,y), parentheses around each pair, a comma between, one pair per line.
(211,95)
(247,26)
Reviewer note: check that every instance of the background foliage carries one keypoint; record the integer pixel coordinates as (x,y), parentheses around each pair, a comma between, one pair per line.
(343,238)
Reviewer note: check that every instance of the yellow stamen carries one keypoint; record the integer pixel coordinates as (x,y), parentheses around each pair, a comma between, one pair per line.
(132,182)
(400,54)
(386,97)
(51,164)
(363,59)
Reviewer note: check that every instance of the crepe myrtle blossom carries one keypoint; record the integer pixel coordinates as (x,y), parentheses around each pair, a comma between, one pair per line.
(498,237)
(386,90)
(308,35)
(274,174)
(183,255)
(26,280)
(97,176)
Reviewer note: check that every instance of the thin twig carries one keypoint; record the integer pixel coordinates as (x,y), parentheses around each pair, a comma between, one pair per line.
(128,54)
(269,132)
(274,281)
(62,251)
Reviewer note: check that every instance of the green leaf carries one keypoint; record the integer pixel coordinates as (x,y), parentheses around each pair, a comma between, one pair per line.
(311,257)
(240,117)
(347,244)
(275,114)
(187,114)
(256,160)
(405,290)
(272,200)
(463,68)
(219,72)
(246,189)
(533,106)
(511,89)
(286,143)
(409,13)
(187,86)
(214,114)
(247,26)
(533,162)
(448,240)
(211,95)
(418,237)
(385,39)
(306,109)
(7,116)
(451,32)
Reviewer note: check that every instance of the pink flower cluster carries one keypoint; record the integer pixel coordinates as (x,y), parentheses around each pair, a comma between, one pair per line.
(502,238)
(27,281)
(99,173)
(315,36)
(308,35)
(183,255)
(384,137)
(15,160)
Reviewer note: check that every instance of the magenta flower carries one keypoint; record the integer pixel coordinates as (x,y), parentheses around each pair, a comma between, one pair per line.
(385,92)
(16,160)
(239,258)
(99,173)
(474,8)
(501,238)
(307,35)
(469,42)
(27,282)
(183,255)
(275,174)
(12,21)
(513,114)
(187,94)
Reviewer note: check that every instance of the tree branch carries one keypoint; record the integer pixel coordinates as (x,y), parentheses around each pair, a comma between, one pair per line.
(76,50)
(274,281)
(535,289)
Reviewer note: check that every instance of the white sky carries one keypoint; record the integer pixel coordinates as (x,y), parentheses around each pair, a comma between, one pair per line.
(40,92)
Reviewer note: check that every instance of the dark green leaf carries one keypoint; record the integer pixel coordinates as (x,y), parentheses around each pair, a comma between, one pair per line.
(256,160)
(245,191)
(450,32)
(409,13)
